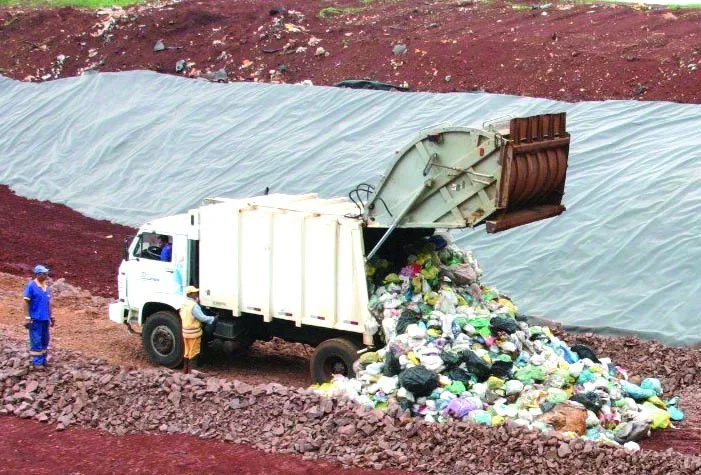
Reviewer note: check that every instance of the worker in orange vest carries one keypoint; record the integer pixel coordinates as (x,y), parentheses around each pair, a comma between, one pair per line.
(192,319)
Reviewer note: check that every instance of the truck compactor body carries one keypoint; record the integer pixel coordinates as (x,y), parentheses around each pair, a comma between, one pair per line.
(293,266)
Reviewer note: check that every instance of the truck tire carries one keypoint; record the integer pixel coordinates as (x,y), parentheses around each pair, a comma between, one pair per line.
(163,339)
(335,356)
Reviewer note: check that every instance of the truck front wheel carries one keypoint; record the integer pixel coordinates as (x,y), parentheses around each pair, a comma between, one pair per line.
(162,337)
(335,356)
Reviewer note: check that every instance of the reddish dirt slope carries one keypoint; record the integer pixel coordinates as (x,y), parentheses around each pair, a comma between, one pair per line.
(85,251)
(566,51)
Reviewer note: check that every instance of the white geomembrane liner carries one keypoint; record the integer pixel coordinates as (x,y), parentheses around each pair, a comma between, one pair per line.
(625,256)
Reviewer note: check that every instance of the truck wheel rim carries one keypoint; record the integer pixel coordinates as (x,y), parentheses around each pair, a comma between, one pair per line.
(163,340)
(335,365)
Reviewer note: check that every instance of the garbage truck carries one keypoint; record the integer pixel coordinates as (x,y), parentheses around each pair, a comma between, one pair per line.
(293,266)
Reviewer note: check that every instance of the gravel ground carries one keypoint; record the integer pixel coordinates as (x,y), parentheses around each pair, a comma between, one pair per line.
(85,391)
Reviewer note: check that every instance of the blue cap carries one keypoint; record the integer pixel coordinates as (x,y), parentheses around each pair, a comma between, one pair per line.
(41,269)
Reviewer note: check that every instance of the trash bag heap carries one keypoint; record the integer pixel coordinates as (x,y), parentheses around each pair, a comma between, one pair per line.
(458,350)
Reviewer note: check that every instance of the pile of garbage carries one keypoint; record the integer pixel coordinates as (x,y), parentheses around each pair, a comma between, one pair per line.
(457,349)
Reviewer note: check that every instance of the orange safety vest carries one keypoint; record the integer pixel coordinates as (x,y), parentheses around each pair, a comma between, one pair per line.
(192,328)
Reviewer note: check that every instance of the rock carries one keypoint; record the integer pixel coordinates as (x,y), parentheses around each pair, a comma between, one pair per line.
(174,397)
(348,430)
(320,51)
(433,25)
(640,90)
(159,46)
(277,11)
(180,66)
(399,49)
(669,16)
(448,78)
(564,450)
(217,76)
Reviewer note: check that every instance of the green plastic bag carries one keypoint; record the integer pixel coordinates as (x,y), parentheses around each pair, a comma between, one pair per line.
(481,326)
(456,387)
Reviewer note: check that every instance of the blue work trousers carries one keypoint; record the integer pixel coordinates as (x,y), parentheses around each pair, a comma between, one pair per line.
(39,341)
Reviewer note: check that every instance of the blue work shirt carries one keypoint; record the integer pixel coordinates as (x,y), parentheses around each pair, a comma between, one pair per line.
(167,253)
(200,316)
(39,301)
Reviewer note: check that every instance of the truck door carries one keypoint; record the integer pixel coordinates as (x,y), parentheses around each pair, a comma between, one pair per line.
(151,279)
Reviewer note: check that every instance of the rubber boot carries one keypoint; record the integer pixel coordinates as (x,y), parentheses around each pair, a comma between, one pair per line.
(186,365)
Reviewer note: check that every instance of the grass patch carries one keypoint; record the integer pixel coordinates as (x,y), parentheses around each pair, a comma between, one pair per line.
(329,12)
(679,7)
(671,6)
(91,4)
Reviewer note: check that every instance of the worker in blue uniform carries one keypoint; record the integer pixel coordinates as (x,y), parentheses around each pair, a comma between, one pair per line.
(37,305)
(166,248)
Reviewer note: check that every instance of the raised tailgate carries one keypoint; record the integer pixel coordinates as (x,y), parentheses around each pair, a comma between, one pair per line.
(533,171)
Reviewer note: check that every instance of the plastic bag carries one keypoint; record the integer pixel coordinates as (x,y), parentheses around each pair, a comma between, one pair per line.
(367,358)
(392,366)
(408,317)
(456,387)
(590,400)
(476,365)
(451,359)
(418,380)
(503,324)
(652,384)
(584,351)
(460,407)
(631,432)
(459,374)
(460,274)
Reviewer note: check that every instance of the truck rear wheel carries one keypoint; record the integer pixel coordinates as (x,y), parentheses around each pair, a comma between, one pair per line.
(162,337)
(335,356)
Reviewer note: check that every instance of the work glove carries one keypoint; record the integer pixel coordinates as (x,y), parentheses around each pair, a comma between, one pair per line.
(27,323)
(53,321)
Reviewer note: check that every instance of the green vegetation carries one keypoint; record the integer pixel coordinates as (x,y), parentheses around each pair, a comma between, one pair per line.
(92,4)
(679,7)
(673,6)
(335,11)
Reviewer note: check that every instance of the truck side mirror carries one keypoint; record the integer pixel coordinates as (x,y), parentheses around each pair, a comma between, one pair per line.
(125,248)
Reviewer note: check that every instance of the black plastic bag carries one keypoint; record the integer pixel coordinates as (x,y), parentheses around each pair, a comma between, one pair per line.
(407,318)
(418,380)
(459,374)
(503,324)
(476,366)
(584,351)
(392,366)
(450,359)
(501,369)
(590,400)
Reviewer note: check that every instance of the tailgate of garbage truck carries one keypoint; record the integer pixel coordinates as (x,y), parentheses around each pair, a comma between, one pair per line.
(533,171)
(503,176)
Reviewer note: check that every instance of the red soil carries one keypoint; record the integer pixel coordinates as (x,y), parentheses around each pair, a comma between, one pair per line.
(85,251)
(30,447)
(567,51)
